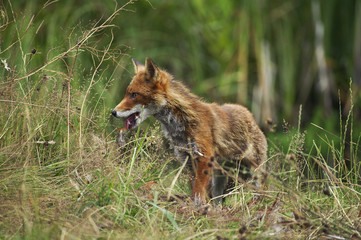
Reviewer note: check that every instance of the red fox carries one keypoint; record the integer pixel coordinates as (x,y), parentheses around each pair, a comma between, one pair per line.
(211,132)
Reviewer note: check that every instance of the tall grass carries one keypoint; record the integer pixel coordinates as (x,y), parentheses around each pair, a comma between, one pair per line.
(224,51)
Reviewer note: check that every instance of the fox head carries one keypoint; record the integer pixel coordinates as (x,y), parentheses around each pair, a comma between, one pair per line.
(145,94)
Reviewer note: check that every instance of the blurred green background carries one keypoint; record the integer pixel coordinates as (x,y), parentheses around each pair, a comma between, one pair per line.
(65,64)
(271,56)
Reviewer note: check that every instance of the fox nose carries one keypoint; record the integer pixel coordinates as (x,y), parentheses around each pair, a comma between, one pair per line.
(114,113)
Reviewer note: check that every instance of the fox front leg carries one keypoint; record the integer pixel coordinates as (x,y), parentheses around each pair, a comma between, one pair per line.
(202,177)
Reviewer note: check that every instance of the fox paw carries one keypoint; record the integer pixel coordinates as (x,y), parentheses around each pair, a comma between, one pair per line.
(204,209)
(198,200)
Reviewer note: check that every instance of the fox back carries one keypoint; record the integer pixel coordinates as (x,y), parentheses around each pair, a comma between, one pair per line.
(210,134)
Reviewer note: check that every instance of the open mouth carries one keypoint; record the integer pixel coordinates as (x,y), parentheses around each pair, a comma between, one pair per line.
(131,121)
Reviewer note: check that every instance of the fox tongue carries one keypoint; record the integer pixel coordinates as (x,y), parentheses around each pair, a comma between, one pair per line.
(130,121)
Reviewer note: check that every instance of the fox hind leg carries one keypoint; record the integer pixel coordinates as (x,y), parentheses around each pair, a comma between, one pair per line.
(219,184)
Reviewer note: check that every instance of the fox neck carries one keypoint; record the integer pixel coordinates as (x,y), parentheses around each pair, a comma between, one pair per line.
(173,127)
(178,118)
(177,114)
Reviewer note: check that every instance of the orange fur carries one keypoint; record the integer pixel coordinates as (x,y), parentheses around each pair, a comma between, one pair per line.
(195,128)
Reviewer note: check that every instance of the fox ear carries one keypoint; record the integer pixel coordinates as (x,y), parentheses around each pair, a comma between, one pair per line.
(155,75)
(150,68)
(137,65)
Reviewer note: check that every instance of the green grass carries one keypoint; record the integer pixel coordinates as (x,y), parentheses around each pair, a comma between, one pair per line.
(63,176)
(121,193)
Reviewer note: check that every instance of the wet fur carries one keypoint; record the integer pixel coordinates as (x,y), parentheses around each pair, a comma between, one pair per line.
(226,132)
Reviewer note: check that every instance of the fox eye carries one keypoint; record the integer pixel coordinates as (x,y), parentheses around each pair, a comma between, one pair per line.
(134,94)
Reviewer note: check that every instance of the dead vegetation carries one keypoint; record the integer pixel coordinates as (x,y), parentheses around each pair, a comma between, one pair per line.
(122,192)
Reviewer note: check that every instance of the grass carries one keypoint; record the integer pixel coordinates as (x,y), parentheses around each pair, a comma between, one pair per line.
(122,193)
(63,176)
